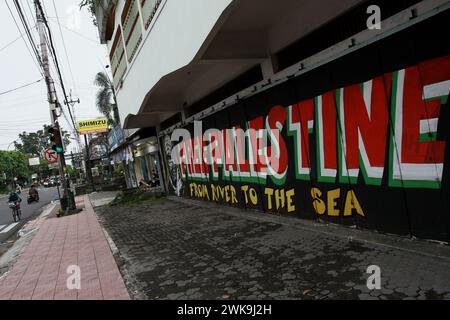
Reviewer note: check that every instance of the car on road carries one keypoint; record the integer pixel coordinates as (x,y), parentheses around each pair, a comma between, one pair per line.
(48,183)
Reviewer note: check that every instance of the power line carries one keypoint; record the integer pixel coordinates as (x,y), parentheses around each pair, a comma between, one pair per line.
(38,3)
(20,32)
(32,13)
(96,42)
(61,83)
(28,99)
(54,63)
(22,121)
(12,42)
(25,17)
(80,34)
(25,24)
(21,87)
(64,45)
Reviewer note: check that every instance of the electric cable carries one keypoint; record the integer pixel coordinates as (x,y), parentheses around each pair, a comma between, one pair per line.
(65,47)
(38,65)
(52,47)
(25,24)
(21,87)
(12,42)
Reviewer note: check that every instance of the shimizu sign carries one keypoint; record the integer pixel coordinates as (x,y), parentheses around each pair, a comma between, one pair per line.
(93,126)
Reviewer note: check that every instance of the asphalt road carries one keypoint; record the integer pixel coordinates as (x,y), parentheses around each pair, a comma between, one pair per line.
(7,225)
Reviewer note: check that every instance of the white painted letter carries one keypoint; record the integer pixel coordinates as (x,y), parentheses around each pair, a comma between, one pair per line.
(374,280)
(74,280)
(374,20)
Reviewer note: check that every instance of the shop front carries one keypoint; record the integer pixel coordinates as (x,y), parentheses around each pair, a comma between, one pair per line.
(147,163)
(121,155)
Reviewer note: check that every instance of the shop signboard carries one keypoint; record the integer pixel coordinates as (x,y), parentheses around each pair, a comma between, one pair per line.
(93,126)
(115,137)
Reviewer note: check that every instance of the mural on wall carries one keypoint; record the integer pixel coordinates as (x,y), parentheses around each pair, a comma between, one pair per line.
(351,127)
(360,141)
(175,184)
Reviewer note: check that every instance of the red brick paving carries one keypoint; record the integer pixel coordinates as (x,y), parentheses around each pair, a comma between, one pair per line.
(40,271)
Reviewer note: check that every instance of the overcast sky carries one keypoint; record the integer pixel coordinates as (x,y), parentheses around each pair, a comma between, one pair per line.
(27,109)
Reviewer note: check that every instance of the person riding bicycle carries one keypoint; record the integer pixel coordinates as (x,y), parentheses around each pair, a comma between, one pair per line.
(15,198)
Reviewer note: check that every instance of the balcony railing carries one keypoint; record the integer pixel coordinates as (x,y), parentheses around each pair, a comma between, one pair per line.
(117,57)
(149,9)
(129,35)
(103,14)
(132,31)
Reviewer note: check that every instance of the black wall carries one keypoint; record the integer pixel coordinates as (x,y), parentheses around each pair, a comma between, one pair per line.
(420,212)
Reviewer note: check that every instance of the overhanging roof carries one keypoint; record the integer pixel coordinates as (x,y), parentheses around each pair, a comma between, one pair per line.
(249,32)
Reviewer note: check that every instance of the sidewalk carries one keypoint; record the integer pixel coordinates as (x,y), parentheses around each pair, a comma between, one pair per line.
(76,240)
(175,248)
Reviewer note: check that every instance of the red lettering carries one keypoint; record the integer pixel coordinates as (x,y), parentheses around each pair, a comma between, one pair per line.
(279,159)
(372,126)
(329,130)
(416,109)
(303,113)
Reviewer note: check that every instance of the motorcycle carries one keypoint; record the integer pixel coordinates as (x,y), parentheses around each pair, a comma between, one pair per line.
(33,198)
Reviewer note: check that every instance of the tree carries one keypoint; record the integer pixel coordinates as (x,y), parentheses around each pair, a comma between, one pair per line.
(106,100)
(13,164)
(43,170)
(34,143)
(71,171)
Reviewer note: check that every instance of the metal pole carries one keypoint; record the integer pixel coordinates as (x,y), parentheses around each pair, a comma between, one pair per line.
(11,168)
(59,193)
(88,164)
(51,92)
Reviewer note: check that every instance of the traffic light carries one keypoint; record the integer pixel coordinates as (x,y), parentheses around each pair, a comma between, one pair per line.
(55,138)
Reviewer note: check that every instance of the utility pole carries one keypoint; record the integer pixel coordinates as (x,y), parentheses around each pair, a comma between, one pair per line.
(88,164)
(87,161)
(52,99)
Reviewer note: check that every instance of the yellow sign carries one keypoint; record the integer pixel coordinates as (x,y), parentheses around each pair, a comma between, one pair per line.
(93,125)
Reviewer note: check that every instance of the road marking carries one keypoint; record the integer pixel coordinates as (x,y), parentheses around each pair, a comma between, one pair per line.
(12,225)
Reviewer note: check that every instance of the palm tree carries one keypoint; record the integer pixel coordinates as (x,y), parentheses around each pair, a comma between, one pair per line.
(106,98)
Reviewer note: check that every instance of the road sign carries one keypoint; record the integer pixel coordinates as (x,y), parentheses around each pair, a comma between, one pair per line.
(34,161)
(51,155)
(53,166)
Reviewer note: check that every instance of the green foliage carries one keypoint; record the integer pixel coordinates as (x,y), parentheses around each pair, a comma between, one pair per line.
(106,101)
(34,143)
(13,164)
(119,169)
(70,171)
